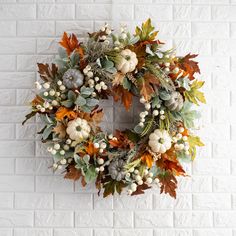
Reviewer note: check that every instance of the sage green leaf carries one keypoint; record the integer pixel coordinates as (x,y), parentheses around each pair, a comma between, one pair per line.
(62,53)
(126,84)
(71,96)
(47,131)
(86,91)
(80,101)
(67,103)
(91,102)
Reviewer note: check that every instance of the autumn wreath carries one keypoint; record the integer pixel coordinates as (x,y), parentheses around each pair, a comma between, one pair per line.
(121,66)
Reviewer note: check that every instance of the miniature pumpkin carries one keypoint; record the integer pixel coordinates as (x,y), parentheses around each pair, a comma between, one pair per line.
(159,141)
(73,78)
(128,61)
(116,169)
(78,129)
(176,102)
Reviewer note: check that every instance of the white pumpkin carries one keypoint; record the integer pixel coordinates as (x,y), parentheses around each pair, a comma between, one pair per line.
(78,129)
(159,141)
(128,61)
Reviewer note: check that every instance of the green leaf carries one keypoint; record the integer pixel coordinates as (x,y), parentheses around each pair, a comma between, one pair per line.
(74,58)
(147,127)
(155,102)
(90,174)
(80,101)
(71,96)
(194,95)
(146,32)
(86,91)
(193,142)
(126,84)
(188,115)
(47,131)
(67,103)
(164,95)
(62,53)
(91,102)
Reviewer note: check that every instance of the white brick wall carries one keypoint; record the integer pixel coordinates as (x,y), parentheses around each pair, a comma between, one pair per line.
(35,202)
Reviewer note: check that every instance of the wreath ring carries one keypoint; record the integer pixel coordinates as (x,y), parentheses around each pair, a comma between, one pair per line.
(121,66)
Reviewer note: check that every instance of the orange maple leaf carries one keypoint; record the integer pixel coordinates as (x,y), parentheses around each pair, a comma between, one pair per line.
(90,149)
(147,158)
(63,112)
(126,97)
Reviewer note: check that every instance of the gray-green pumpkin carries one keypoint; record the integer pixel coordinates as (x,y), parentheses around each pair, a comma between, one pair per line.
(176,102)
(116,169)
(73,78)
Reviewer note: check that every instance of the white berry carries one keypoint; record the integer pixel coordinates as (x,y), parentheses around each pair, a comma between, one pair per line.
(155,112)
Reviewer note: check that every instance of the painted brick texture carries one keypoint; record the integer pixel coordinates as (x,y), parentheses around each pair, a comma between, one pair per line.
(36,202)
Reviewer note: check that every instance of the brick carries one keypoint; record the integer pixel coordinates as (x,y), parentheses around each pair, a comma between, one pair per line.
(224,184)
(7,165)
(16,148)
(6,232)
(103,232)
(58,11)
(35,28)
(17,45)
(6,201)
(16,183)
(93,11)
(73,201)
(210,30)
(29,62)
(193,13)
(183,201)
(137,202)
(53,184)
(7,131)
(224,218)
(33,201)
(7,62)
(211,201)
(156,12)
(211,167)
(80,27)
(16,80)
(212,232)
(17,11)
(193,219)
(144,219)
(33,232)
(47,45)
(54,218)
(102,203)
(16,219)
(133,232)
(173,232)
(40,166)
(223,13)
(123,219)
(73,232)
(93,219)
(223,149)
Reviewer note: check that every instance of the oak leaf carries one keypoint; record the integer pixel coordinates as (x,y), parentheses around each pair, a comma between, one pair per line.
(118,79)
(168,183)
(126,97)
(60,130)
(37,101)
(46,73)
(146,85)
(72,173)
(63,112)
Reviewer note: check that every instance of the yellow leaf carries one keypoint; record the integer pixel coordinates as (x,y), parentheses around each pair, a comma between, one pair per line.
(147,158)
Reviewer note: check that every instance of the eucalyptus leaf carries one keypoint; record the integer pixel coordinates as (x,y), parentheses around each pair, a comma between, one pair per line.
(164,95)
(67,103)
(71,96)
(138,129)
(86,108)
(86,91)
(74,58)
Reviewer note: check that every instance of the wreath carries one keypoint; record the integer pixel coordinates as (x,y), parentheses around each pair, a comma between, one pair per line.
(122,66)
